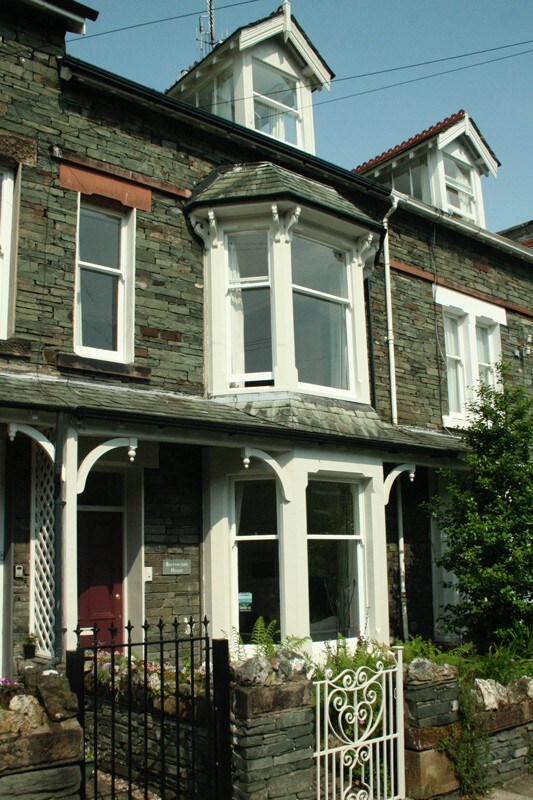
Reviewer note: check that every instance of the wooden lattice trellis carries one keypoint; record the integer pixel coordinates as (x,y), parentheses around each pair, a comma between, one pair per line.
(43,552)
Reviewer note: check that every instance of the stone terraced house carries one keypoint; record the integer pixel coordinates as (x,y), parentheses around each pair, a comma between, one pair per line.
(221,357)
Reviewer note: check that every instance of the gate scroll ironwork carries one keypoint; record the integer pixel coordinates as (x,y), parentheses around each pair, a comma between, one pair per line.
(359,733)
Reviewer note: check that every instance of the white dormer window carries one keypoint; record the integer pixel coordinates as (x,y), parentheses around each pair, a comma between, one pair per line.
(275,102)
(459,191)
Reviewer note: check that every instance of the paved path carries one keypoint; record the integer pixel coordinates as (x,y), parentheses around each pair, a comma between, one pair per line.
(517,789)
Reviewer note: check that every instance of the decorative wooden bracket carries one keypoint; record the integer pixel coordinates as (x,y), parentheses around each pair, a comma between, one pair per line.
(250,452)
(91,458)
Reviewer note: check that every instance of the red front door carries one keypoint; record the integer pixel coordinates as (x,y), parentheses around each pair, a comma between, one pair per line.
(100,573)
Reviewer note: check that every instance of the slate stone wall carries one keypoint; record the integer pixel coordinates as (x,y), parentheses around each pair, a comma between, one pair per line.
(173,530)
(464,265)
(432,713)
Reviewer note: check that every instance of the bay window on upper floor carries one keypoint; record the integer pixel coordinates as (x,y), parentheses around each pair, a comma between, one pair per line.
(472,344)
(285,305)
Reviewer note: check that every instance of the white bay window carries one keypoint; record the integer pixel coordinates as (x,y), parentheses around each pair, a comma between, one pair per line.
(285,305)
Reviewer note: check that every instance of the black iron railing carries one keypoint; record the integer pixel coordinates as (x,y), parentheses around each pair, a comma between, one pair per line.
(155,712)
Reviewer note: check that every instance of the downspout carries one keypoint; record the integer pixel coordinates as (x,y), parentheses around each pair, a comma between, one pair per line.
(401,561)
(58,545)
(388,303)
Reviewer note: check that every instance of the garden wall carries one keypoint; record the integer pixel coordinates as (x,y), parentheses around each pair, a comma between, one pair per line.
(41,741)
(432,714)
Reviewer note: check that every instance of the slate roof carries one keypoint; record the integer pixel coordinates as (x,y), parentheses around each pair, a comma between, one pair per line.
(421,137)
(241,182)
(282,416)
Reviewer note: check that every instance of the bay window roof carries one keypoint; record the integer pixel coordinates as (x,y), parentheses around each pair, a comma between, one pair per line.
(238,183)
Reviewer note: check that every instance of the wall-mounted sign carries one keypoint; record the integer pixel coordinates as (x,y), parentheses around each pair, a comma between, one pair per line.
(176,566)
(245,601)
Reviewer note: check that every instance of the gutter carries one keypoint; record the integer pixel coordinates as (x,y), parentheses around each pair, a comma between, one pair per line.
(462,226)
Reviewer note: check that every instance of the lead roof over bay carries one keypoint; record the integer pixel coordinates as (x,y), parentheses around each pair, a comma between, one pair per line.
(238,183)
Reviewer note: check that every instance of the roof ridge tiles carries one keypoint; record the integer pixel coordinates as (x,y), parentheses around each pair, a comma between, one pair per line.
(419,137)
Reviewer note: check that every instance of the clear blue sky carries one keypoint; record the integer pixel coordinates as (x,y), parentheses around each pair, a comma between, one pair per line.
(362,36)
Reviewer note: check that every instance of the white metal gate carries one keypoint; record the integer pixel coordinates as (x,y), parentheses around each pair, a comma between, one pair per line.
(359,733)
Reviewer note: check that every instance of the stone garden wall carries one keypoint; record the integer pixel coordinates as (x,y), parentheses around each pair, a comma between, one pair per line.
(432,713)
(41,741)
(273,729)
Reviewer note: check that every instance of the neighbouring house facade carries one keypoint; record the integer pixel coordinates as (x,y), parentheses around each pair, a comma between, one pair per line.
(222,358)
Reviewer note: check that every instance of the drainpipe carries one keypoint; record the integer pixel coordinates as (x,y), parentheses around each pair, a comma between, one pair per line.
(58,546)
(388,302)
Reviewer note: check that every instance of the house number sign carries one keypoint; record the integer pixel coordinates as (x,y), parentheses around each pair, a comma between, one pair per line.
(175,566)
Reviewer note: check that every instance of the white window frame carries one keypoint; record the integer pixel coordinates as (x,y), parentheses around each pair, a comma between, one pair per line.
(124,353)
(295,469)
(7,194)
(235,539)
(357,493)
(284,377)
(459,188)
(470,314)
(276,106)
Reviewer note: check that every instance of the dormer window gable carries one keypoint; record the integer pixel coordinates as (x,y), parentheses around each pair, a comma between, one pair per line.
(441,166)
(262,77)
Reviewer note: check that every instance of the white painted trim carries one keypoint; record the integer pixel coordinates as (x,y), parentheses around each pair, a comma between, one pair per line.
(124,353)
(466,304)
(7,195)
(393,474)
(36,435)
(101,450)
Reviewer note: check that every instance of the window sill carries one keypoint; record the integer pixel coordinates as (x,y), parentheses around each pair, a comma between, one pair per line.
(67,362)
(15,348)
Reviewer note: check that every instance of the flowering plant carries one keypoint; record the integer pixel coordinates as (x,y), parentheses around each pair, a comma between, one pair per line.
(30,638)
(8,688)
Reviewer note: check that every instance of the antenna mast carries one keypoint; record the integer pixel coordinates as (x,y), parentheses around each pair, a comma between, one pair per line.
(207,38)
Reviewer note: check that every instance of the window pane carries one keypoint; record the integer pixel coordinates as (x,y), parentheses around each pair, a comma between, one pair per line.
(332,588)
(274,84)
(402,181)
(251,331)
(289,129)
(99,302)
(99,237)
(319,267)
(258,561)
(483,349)
(267,119)
(320,341)
(451,336)
(256,508)
(205,97)
(258,584)
(330,509)
(248,256)
(457,172)
(224,103)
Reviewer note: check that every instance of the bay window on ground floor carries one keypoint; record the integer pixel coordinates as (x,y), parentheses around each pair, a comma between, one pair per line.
(302,545)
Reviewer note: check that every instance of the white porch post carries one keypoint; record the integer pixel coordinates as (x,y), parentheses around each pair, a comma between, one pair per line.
(70,539)
(293,553)
(375,540)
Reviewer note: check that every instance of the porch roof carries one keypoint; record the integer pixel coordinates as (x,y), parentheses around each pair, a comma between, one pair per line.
(301,418)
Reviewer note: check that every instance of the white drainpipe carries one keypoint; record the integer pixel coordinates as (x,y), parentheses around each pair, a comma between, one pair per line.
(388,301)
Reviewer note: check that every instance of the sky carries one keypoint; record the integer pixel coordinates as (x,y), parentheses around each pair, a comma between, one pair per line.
(366,115)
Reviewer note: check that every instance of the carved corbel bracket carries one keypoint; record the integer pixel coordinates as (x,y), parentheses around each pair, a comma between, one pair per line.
(393,474)
(291,219)
(251,452)
(91,458)
(35,434)
(206,229)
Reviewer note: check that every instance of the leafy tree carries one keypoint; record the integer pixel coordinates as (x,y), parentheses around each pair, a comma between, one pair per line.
(487,518)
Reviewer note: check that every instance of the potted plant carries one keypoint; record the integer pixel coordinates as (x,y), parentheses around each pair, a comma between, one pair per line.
(29,644)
